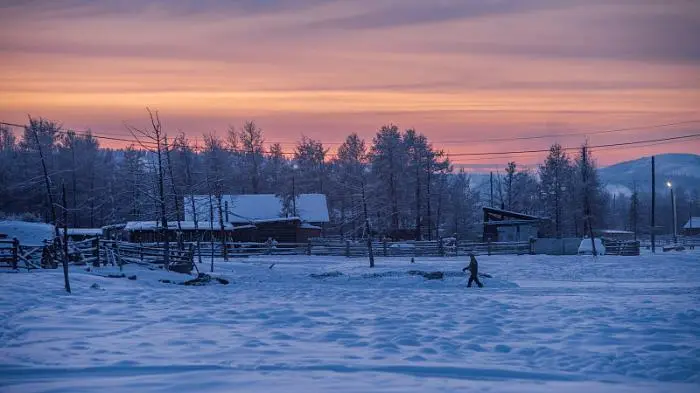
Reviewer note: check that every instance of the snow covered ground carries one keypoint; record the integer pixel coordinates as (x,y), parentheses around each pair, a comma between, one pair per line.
(620,324)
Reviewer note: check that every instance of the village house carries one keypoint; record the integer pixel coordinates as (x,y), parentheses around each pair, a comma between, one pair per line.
(507,226)
(246,218)
(692,227)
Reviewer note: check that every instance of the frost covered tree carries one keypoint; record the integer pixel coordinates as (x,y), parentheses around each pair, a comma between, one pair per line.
(510,178)
(387,157)
(349,171)
(251,147)
(463,201)
(154,139)
(310,157)
(10,171)
(555,185)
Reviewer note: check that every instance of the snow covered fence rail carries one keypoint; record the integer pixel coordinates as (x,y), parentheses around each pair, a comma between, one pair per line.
(350,249)
(118,253)
(9,253)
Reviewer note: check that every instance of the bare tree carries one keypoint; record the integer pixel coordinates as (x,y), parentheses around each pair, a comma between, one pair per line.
(154,140)
(251,139)
(48,130)
(176,195)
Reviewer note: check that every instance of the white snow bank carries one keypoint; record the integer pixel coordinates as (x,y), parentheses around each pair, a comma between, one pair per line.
(28,233)
(586,247)
(574,323)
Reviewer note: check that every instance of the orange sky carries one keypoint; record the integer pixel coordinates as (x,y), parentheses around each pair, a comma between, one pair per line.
(458,71)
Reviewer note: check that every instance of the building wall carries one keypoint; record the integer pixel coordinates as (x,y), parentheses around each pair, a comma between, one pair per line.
(517,233)
(553,246)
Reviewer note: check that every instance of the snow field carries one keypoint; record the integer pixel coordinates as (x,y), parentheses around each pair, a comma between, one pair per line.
(542,324)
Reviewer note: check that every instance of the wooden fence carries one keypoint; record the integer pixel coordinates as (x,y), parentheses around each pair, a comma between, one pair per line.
(9,253)
(350,249)
(15,255)
(622,247)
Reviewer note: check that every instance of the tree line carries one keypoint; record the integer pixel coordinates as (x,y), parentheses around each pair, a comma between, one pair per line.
(411,188)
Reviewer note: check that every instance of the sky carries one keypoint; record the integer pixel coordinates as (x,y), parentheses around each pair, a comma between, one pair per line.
(474,76)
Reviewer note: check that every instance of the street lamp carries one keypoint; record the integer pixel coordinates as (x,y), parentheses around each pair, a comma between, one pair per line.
(675,217)
(294,194)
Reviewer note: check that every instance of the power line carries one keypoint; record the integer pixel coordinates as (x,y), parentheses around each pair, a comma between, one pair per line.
(506,153)
(639,144)
(581,133)
(573,148)
(113,136)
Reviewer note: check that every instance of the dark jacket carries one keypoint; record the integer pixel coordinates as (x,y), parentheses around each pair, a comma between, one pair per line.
(473,267)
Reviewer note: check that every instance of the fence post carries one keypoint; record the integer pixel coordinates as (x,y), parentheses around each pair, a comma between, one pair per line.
(117,256)
(308,248)
(456,246)
(385,247)
(347,248)
(141,252)
(441,248)
(15,252)
(532,246)
(489,247)
(97,261)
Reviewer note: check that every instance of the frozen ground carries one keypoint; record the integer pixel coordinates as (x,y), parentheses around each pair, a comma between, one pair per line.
(621,324)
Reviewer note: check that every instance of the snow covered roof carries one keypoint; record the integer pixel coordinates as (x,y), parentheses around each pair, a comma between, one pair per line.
(277,219)
(185,225)
(251,208)
(83,231)
(694,222)
(508,213)
(614,232)
(312,208)
(28,233)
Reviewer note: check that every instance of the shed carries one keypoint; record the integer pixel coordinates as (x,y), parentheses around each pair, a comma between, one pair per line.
(151,231)
(79,234)
(692,227)
(507,226)
(614,234)
(250,208)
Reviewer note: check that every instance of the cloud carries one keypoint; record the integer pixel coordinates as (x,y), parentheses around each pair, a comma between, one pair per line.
(326,68)
(411,12)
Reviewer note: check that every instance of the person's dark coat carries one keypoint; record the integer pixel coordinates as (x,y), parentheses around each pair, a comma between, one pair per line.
(473,271)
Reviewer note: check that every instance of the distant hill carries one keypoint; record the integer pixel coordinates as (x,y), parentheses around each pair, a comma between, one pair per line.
(683,170)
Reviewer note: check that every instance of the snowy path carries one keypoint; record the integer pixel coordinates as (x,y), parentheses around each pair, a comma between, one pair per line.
(547,324)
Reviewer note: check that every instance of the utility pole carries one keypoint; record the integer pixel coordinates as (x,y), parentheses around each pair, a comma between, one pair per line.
(65,239)
(653,204)
(673,212)
(635,207)
(491,189)
(690,214)
(294,196)
(52,208)
(586,202)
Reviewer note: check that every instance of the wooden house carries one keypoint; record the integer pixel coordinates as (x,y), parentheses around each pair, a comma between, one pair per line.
(80,234)
(692,227)
(507,226)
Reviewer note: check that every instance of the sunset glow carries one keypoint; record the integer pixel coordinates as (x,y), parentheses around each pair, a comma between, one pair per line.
(458,71)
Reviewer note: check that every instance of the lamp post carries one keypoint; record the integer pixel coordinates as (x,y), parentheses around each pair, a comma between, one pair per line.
(675,217)
(294,194)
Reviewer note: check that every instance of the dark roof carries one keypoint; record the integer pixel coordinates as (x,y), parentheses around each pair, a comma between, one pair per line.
(505,214)
(507,223)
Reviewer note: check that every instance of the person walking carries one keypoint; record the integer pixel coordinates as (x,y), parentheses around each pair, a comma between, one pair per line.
(473,271)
